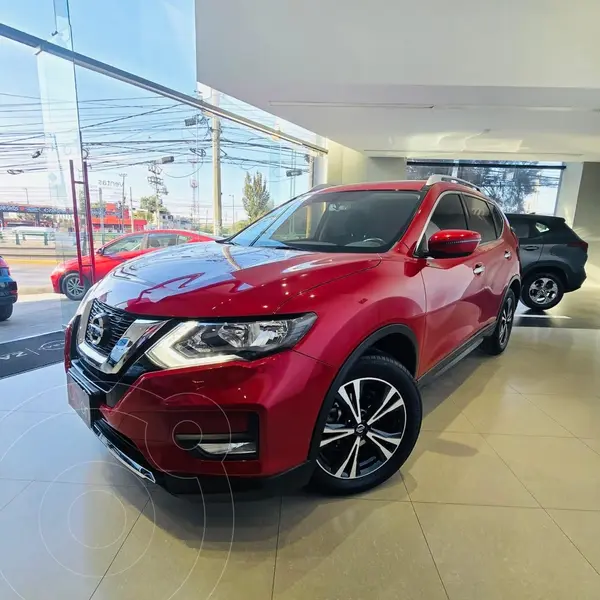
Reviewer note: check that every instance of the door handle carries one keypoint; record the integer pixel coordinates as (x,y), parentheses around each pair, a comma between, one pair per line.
(478,269)
(507,254)
(531,247)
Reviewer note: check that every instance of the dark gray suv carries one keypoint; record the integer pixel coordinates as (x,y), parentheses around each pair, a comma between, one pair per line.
(553,259)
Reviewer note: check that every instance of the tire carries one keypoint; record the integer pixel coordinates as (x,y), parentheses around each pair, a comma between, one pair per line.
(358,457)
(6,312)
(497,342)
(72,288)
(542,291)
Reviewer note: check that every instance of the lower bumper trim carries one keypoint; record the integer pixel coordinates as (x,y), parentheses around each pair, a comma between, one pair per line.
(125,460)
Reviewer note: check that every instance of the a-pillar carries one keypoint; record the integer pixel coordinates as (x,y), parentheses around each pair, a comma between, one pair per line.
(345,165)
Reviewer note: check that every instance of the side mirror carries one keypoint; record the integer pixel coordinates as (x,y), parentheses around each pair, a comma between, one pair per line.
(453,243)
(100,251)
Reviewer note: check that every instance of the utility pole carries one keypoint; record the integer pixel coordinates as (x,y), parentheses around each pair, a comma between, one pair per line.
(216,161)
(122,176)
(131,210)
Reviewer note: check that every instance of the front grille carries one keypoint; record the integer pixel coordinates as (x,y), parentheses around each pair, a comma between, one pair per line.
(118,323)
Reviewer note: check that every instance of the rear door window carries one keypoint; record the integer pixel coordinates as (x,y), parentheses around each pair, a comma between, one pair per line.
(480,218)
(522,227)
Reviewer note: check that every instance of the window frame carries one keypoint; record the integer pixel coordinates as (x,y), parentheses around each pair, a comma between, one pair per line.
(419,251)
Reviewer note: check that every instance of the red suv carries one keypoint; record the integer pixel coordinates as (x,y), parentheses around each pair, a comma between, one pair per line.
(294,350)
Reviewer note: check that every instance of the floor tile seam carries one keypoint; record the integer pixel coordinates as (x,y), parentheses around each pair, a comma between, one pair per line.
(119,549)
(582,440)
(548,414)
(18,493)
(277,546)
(511,470)
(429,549)
(572,542)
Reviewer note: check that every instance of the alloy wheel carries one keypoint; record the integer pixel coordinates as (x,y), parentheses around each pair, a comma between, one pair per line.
(364,428)
(543,290)
(73,287)
(506,319)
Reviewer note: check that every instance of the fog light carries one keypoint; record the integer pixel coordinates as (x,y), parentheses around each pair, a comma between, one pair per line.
(216,445)
(221,449)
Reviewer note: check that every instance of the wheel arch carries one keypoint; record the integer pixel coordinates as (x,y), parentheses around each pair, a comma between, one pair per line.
(547,267)
(378,341)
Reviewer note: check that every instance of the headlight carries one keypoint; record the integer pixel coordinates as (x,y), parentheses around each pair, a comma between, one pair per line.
(195,343)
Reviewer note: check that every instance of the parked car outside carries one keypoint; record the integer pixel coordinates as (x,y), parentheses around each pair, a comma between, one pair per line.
(553,259)
(65,277)
(293,351)
(8,291)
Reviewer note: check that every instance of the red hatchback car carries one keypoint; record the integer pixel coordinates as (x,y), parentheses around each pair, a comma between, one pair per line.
(293,351)
(65,277)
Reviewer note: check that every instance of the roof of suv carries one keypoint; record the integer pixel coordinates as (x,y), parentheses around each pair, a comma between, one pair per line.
(405,185)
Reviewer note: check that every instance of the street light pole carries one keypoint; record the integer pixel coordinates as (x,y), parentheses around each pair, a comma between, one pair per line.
(122,176)
(232,196)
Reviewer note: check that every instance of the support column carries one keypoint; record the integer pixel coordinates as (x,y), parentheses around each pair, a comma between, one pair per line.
(578,203)
(345,165)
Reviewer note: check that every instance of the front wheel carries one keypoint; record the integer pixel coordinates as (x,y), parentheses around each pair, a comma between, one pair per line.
(6,312)
(497,342)
(371,428)
(73,287)
(542,291)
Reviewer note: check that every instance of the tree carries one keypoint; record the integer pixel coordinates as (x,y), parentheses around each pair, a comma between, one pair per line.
(148,204)
(510,187)
(256,198)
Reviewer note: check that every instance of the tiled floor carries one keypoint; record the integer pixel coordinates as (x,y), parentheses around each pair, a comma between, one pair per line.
(500,500)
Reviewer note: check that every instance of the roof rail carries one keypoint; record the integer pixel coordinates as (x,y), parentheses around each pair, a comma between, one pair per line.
(449,178)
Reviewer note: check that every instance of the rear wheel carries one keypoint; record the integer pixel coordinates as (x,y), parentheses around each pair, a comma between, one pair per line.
(542,291)
(72,286)
(497,342)
(371,427)
(6,312)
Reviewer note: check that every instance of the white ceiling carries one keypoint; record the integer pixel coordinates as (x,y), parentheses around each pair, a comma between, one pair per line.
(511,79)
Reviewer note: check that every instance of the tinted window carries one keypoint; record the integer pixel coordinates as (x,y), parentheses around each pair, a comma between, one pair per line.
(498,220)
(521,228)
(162,240)
(352,221)
(126,244)
(480,218)
(183,239)
(448,214)
(541,228)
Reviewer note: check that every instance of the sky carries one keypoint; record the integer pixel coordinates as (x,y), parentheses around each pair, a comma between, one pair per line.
(154,39)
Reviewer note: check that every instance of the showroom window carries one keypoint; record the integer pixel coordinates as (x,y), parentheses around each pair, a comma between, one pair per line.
(518,187)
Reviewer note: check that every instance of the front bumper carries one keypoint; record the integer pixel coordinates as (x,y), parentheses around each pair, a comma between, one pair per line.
(274,401)
(56,280)
(181,484)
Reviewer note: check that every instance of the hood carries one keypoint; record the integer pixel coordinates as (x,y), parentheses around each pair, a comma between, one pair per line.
(218,280)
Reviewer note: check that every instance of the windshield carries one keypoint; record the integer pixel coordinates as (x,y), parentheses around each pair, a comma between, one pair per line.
(355,221)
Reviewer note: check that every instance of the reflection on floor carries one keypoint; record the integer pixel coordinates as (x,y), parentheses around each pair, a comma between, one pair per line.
(501,499)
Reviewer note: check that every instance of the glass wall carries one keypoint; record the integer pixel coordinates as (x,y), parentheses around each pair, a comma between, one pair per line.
(523,187)
(151,161)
